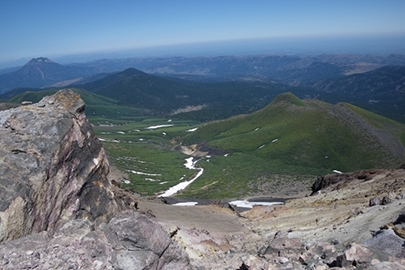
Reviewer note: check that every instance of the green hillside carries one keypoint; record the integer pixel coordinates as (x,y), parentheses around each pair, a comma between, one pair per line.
(181,99)
(295,137)
(98,108)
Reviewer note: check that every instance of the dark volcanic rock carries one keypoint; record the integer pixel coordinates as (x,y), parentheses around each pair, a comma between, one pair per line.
(328,180)
(52,167)
(339,181)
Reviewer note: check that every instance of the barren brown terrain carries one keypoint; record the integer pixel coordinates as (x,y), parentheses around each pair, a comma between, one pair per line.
(215,237)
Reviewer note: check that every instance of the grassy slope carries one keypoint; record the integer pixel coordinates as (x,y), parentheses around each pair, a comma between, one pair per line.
(99,108)
(134,147)
(310,140)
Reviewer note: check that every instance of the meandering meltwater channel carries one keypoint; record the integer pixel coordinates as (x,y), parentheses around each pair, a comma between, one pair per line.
(190,164)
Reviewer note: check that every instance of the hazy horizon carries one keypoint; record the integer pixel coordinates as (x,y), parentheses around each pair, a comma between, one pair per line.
(369,45)
(71,31)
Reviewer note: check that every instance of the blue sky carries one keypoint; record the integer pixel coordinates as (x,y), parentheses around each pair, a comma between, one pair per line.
(56,28)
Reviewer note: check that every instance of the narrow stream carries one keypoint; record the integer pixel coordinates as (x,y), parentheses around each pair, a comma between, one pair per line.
(190,164)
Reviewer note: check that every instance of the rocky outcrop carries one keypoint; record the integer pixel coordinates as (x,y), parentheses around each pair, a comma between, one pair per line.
(129,241)
(58,209)
(52,167)
(337,181)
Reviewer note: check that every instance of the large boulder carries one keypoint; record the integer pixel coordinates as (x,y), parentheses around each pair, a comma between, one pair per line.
(52,168)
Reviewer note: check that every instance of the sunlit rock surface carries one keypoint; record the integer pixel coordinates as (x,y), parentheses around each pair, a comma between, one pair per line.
(58,209)
(52,167)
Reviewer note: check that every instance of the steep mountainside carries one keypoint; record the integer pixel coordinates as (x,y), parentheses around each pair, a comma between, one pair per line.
(309,135)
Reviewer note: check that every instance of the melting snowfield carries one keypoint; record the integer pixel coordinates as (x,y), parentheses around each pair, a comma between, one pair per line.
(108,140)
(186,204)
(248,204)
(190,164)
(159,126)
(143,173)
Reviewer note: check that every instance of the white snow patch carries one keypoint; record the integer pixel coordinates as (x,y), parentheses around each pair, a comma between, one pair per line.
(227,154)
(164,133)
(127,182)
(191,130)
(256,129)
(143,173)
(120,132)
(151,179)
(274,140)
(247,204)
(190,164)
(159,126)
(336,171)
(186,204)
(95,161)
(108,140)
(261,146)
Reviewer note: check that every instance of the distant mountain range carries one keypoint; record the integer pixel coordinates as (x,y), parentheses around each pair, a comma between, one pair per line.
(185,99)
(288,69)
(381,90)
(218,87)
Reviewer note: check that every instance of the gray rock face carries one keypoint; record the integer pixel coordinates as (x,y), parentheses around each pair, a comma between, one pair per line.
(58,210)
(119,244)
(52,167)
